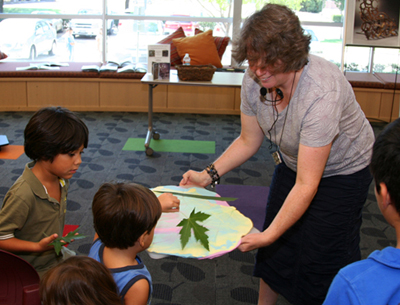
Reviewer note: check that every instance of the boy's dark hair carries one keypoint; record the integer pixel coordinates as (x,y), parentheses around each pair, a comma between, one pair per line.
(122,212)
(385,162)
(271,34)
(79,280)
(52,131)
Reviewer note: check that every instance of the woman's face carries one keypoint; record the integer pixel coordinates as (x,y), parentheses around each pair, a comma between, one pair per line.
(269,76)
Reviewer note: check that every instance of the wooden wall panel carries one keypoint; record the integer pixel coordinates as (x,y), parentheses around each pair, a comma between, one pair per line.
(237,99)
(201,99)
(13,96)
(389,99)
(131,96)
(29,94)
(78,95)
(370,101)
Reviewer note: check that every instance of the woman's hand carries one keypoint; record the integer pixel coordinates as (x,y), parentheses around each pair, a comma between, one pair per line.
(191,177)
(169,203)
(253,241)
(310,167)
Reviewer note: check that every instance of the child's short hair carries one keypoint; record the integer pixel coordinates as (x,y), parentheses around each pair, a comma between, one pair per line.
(122,212)
(52,131)
(385,162)
(79,280)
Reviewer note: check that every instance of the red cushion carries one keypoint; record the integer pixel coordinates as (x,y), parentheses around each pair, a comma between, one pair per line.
(220,42)
(179,33)
(2,55)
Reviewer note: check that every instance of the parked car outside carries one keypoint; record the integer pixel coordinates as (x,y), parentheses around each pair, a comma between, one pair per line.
(187,26)
(137,34)
(56,23)
(149,27)
(27,38)
(89,27)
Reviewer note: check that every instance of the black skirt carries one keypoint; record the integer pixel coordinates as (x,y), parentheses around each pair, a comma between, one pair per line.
(302,263)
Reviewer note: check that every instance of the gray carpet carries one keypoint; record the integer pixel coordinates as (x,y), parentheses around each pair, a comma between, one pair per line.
(224,280)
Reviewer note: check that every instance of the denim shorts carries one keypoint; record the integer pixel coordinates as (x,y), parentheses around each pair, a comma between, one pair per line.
(302,263)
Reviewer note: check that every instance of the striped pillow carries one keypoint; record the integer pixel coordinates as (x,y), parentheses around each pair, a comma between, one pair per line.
(220,42)
(179,33)
(3,55)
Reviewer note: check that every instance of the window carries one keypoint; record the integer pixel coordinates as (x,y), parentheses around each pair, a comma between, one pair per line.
(386,60)
(357,59)
(129,26)
(121,29)
(321,19)
(372,30)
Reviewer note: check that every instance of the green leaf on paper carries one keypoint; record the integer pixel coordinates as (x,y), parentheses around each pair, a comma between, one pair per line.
(185,194)
(199,231)
(61,241)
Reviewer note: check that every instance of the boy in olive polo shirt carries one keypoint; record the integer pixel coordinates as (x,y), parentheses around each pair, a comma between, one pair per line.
(33,211)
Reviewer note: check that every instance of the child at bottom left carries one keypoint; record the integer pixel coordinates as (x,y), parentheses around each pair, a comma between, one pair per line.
(79,280)
(33,211)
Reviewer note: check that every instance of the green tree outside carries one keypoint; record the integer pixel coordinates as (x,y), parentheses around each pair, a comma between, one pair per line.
(312,6)
(224,8)
(339,4)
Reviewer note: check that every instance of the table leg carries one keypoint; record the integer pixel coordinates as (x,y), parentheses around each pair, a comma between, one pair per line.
(150,132)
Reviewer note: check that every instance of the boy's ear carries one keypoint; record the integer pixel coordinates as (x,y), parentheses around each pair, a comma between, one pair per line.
(141,239)
(386,200)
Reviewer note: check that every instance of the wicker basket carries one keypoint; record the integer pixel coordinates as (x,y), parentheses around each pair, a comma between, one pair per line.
(196,73)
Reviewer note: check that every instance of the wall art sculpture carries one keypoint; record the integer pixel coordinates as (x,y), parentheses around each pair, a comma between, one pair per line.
(373,23)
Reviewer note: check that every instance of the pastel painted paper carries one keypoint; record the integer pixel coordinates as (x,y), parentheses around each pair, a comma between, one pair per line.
(226,226)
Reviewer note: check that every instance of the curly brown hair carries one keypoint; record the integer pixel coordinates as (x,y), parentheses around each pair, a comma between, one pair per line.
(270,36)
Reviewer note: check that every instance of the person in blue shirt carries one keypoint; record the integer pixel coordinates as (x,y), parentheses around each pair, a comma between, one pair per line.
(124,217)
(70,44)
(375,280)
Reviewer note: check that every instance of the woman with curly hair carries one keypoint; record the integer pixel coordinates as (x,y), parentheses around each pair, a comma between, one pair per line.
(322,146)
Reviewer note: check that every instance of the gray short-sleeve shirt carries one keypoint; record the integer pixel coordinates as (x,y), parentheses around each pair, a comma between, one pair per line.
(323,109)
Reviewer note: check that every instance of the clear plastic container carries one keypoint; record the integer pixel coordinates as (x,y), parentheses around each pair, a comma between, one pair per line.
(186,60)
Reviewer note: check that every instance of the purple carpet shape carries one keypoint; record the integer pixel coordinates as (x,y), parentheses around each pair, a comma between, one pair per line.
(251,200)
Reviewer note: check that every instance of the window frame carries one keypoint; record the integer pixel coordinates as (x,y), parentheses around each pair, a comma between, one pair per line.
(235,21)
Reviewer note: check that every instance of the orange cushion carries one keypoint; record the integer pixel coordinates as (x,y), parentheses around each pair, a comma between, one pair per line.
(3,55)
(179,33)
(220,42)
(201,49)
